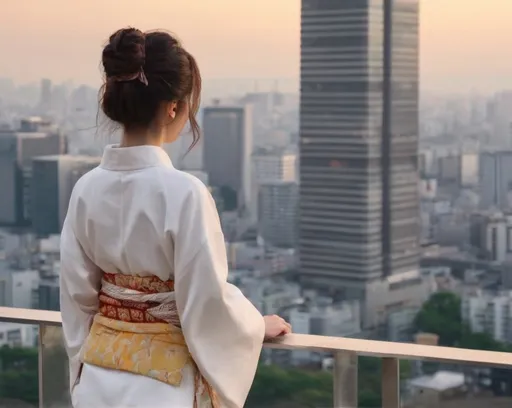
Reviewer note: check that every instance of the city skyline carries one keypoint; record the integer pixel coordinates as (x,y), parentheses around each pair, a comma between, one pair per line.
(455,38)
(350,209)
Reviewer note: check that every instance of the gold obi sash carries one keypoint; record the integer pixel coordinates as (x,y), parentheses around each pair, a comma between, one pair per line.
(137,330)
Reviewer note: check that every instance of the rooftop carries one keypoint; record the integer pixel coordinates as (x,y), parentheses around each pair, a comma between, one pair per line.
(440,381)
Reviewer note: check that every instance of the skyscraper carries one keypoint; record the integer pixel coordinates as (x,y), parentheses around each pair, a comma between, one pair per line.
(496,180)
(228,149)
(359,209)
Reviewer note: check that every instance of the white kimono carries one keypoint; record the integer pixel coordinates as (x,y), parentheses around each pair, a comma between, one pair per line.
(136,214)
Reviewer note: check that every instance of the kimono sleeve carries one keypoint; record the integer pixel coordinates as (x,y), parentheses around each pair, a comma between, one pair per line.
(223,330)
(80,281)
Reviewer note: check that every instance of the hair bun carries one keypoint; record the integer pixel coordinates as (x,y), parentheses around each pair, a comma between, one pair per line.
(125,52)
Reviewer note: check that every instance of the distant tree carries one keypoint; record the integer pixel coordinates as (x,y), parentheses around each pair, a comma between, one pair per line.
(441,315)
(276,387)
(479,341)
(19,374)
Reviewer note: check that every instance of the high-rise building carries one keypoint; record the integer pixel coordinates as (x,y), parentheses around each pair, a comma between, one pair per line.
(499,116)
(53,180)
(458,169)
(48,295)
(359,207)
(278,213)
(271,165)
(228,149)
(17,149)
(496,180)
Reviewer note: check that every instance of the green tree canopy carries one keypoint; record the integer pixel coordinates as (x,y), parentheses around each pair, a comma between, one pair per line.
(441,315)
(18,374)
(276,387)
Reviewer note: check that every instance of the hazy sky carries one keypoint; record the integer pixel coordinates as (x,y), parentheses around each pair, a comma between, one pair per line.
(465,44)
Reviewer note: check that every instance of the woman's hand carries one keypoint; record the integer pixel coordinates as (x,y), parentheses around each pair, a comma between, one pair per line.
(276,326)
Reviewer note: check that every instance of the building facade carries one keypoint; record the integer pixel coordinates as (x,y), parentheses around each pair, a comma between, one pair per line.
(274,165)
(489,313)
(53,180)
(228,149)
(490,236)
(17,149)
(496,180)
(277,220)
(359,207)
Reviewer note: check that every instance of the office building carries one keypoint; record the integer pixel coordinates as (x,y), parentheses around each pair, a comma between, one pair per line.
(490,236)
(17,149)
(489,313)
(496,180)
(278,213)
(499,116)
(359,207)
(18,335)
(16,285)
(228,149)
(48,295)
(53,180)
(271,165)
(459,169)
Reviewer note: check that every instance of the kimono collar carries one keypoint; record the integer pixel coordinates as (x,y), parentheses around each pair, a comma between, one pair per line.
(134,158)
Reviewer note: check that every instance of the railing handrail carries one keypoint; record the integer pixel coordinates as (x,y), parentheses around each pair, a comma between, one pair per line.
(372,348)
(29,316)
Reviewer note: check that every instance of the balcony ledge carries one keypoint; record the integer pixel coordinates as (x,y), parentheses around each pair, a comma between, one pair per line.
(344,350)
(372,348)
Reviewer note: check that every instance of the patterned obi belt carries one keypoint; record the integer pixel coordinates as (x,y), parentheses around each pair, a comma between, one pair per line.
(138,330)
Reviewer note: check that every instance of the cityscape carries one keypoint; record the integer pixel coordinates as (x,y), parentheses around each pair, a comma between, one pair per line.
(353,203)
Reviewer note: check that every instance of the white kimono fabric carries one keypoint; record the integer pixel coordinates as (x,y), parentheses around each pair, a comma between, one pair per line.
(137,215)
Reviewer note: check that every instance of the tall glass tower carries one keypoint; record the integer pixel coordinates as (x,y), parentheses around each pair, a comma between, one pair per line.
(359,207)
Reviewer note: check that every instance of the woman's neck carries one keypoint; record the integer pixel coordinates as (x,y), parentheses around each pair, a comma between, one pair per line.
(140,138)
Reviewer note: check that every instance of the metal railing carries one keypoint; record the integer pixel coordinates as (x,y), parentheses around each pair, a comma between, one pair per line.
(344,350)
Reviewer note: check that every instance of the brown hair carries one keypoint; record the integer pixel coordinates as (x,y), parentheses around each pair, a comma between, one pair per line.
(172,75)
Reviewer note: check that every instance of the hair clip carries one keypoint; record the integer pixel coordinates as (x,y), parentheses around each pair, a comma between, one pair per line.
(141,76)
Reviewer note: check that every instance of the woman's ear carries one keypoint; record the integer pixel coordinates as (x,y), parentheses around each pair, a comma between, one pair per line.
(171,109)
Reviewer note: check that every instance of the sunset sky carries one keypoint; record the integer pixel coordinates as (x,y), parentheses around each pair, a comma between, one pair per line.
(465,44)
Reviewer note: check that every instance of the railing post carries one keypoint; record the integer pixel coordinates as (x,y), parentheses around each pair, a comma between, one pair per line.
(53,368)
(40,358)
(390,383)
(345,380)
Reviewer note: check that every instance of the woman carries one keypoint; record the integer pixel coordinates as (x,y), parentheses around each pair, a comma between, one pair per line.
(149,318)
